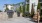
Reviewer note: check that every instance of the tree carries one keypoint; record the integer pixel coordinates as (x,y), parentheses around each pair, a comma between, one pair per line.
(32,11)
(38,6)
(27,0)
(17,9)
(27,7)
(6,8)
(0,11)
(20,9)
(23,11)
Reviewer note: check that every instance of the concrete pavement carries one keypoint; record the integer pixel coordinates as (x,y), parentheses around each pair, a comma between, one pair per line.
(4,18)
(17,20)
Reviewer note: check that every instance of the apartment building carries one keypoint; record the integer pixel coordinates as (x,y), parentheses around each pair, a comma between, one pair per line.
(9,6)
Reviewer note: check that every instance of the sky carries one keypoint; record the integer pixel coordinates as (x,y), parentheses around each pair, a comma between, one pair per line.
(2,2)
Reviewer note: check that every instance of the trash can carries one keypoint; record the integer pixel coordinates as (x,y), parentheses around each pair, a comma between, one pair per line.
(10,13)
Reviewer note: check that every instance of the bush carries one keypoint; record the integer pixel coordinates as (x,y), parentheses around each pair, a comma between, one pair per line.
(0,11)
(6,9)
(38,7)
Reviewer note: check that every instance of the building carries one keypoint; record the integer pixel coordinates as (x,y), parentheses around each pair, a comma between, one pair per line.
(40,1)
(9,6)
(35,3)
(30,2)
(14,6)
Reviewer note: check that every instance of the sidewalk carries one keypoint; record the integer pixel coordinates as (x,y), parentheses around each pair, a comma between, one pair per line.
(17,20)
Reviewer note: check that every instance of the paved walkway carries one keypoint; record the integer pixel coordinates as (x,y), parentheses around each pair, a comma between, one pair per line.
(4,18)
(17,20)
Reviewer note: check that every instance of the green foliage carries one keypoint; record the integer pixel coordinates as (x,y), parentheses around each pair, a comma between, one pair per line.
(23,11)
(38,6)
(27,7)
(20,9)
(27,0)
(0,11)
(17,9)
(6,9)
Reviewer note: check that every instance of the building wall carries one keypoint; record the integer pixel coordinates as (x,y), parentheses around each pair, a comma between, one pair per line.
(9,6)
(35,3)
